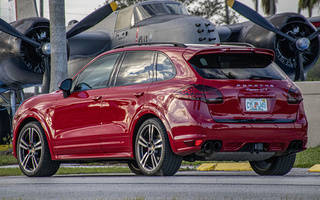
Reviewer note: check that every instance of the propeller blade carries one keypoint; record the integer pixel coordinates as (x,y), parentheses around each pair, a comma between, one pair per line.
(46,75)
(314,34)
(7,28)
(92,19)
(256,18)
(299,67)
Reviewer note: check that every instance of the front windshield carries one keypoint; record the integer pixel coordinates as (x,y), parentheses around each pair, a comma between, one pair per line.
(176,8)
(149,10)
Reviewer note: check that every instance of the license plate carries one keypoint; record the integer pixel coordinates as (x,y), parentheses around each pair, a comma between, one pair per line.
(256,105)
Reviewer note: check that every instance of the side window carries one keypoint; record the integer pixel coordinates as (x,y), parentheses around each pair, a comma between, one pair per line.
(136,68)
(97,74)
(165,69)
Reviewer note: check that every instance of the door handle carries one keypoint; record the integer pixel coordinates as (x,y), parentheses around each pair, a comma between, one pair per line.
(98,98)
(138,94)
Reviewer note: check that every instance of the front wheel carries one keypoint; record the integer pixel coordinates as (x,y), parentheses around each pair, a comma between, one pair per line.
(153,152)
(33,152)
(278,165)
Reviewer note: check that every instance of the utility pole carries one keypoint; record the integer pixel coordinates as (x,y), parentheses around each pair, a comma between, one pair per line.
(227,12)
(59,69)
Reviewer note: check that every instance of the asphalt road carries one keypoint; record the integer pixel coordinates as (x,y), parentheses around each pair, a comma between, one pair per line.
(298,185)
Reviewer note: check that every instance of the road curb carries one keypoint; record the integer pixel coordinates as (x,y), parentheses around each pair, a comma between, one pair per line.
(238,167)
(225,167)
(207,167)
(5,147)
(314,168)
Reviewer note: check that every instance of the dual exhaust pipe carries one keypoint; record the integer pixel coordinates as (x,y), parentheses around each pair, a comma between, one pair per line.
(212,146)
(296,145)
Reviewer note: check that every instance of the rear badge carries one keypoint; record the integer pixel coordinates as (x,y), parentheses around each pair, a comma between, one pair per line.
(256,105)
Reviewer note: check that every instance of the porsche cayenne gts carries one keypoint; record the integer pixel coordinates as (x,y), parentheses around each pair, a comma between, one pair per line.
(155,105)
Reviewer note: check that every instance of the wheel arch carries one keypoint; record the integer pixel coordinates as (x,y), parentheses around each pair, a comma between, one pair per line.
(145,115)
(21,124)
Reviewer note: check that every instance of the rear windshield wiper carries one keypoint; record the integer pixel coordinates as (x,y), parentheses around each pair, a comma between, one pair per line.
(257,77)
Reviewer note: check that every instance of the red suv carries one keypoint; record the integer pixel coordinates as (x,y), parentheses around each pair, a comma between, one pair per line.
(153,106)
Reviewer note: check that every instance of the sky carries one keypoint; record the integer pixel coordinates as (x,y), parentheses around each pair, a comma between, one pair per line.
(78,9)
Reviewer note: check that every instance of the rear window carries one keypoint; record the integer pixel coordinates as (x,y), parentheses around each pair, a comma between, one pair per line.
(236,66)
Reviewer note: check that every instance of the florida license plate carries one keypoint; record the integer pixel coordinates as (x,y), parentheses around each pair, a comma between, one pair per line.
(256,105)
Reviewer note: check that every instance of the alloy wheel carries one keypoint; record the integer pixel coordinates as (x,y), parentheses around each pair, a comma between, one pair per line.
(150,147)
(30,149)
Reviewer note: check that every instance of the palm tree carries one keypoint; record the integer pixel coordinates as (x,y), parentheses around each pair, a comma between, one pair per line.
(309,4)
(269,6)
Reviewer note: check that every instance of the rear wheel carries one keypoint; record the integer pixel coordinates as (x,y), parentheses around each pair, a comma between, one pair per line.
(33,152)
(133,166)
(154,155)
(279,165)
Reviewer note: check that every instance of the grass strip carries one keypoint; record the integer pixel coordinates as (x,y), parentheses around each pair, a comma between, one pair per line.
(15,171)
(308,158)
(305,159)
(7,160)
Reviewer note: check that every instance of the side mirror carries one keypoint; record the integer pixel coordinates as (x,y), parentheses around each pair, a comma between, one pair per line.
(65,86)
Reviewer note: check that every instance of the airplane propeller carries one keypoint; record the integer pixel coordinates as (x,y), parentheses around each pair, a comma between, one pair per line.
(44,48)
(7,28)
(300,43)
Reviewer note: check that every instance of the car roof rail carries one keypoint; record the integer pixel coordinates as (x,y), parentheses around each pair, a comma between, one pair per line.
(237,44)
(175,44)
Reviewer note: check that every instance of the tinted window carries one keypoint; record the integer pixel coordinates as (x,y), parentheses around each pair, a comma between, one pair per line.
(97,74)
(136,68)
(236,66)
(165,68)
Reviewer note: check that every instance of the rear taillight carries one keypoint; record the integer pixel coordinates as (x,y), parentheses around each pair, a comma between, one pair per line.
(201,93)
(212,95)
(294,95)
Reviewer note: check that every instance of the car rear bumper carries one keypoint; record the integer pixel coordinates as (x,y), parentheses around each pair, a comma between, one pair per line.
(236,137)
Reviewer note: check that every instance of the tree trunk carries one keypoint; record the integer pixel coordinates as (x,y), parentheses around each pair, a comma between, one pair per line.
(59,70)
(272,7)
(310,11)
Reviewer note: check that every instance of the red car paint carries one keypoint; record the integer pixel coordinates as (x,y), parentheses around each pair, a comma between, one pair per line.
(102,123)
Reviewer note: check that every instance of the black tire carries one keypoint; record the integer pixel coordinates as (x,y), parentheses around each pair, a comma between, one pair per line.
(133,166)
(153,152)
(5,130)
(277,165)
(33,152)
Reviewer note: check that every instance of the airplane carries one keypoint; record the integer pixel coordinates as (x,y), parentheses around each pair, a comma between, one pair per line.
(22,61)
(293,38)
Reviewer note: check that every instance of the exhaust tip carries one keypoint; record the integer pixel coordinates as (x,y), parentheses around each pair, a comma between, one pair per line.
(296,145)
(214,145)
